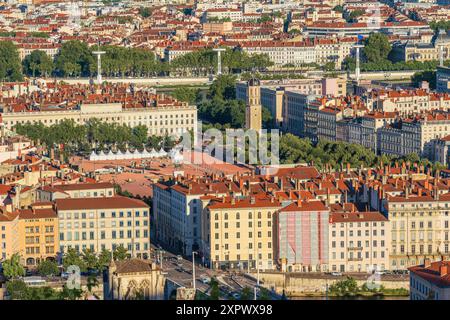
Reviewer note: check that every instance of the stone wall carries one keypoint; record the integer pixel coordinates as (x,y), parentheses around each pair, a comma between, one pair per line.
(298,284)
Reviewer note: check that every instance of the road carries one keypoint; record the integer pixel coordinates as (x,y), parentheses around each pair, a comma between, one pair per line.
(180,271)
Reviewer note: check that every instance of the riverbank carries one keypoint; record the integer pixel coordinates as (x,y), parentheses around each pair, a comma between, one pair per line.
(316,284)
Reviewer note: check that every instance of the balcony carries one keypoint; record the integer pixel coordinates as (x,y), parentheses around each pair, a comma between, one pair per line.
(355,259)
(354,248)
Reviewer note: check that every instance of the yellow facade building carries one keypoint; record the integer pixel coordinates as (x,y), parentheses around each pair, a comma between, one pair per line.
(237,233)
(37,233)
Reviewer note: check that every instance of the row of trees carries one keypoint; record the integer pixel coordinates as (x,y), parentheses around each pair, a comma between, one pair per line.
(82,138)
(349,287)
(201,62)
(378,55)
(76,59)
(296,150)
(86,260)
(18,290)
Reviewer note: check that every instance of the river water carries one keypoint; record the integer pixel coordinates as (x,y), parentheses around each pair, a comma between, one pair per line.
(353,298)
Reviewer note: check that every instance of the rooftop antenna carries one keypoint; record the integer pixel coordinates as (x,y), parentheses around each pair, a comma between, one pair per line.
(99,53)
(219,60)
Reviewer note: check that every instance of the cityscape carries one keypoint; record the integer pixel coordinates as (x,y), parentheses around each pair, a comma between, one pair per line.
(242,151)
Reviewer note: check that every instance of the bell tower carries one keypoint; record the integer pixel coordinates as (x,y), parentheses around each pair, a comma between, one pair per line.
(253,109)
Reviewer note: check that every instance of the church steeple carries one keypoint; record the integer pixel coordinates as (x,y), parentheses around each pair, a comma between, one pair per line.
(253,118)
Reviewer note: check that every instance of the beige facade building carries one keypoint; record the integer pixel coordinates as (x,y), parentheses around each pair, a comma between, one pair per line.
(173,120)
(78,190)
(359,241)
(237,233)
(420,228)
(104,223)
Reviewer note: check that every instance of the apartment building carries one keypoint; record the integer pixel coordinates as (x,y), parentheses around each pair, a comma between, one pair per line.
(104,223)
(170,119)
(441,150)
(364,130)
(443,79)
(414,135)
(343,29)
(9,229)
(178,207)
(301,237)
(358,240)
(295,118)
(238,233)
(282,53)
(407,102)
(78,190)
(420,226)
(223,13)
(38,234)
(430,281)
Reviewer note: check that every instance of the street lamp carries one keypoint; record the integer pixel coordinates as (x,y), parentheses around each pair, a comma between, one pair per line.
(193,269)
(257,276)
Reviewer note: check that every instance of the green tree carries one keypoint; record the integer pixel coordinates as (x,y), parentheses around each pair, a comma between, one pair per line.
(338,8)
(73,257)
(10,67)
(70,294)
(17,289)
(89,259)
(74,59)
(48,268)
(377,48)
(354,15)
(344,287)
(139,136)
(145,12)
(104,258)
(92,282)
(12,268)
(185,94)
(215,292)
(264,294)
(120,253)
(223,88)
(37,63)
(246,294)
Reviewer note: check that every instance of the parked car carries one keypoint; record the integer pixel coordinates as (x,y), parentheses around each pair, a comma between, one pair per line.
(205,280)
(336,274)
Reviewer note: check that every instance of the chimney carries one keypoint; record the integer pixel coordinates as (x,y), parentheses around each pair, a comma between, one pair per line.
(299,203)
(443,269)
(427,263)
